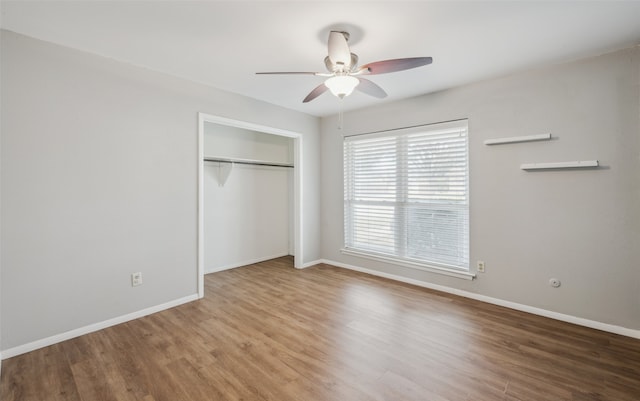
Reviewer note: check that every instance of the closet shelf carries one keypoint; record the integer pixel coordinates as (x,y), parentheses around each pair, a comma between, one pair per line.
(247,161)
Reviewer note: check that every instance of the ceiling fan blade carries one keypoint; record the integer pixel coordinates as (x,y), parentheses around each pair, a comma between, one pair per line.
(398,64)
(287,73)
(319,90)
(339,52)
(371,88)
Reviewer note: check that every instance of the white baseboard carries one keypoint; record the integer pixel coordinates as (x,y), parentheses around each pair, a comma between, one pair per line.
(21,349)
(624,331)
(45,342)
(312,263)
(244,263)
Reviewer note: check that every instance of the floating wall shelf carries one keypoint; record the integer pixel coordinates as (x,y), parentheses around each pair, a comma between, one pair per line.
(517,139)
(560,165)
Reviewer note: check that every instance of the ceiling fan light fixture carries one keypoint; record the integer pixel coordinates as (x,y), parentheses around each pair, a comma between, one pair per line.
(341,85)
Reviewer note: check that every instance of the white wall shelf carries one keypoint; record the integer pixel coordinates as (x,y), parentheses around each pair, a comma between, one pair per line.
(560,165)
(518,139)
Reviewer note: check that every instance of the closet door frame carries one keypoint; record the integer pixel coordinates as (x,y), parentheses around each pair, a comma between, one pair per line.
(297,185)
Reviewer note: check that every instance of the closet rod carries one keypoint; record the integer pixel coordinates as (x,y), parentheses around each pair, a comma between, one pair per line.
(244,161)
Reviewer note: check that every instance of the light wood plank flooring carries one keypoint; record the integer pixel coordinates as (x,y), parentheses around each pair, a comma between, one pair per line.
(270,332)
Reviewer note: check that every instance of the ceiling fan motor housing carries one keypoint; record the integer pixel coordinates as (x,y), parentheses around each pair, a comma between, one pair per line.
(338,68)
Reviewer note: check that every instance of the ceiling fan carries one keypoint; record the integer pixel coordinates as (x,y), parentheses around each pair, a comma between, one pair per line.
(344,73)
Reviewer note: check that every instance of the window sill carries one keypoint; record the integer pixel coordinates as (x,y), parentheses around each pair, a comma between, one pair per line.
(428,268)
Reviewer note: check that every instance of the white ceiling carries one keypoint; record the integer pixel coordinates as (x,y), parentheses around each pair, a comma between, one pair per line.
(222,44)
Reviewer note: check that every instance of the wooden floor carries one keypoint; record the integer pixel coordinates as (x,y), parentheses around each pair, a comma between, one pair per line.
(270,332)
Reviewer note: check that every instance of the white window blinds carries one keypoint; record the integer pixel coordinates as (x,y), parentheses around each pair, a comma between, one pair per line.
(406,195)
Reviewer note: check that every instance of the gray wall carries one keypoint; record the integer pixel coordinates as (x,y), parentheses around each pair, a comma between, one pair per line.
(99,180)
(582,227)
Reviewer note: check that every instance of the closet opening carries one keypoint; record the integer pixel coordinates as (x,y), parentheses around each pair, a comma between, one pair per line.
(249,194)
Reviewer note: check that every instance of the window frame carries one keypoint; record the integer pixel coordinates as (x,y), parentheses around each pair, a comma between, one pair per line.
(397,258)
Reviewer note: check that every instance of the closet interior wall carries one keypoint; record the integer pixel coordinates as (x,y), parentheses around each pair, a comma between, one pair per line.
(248,209)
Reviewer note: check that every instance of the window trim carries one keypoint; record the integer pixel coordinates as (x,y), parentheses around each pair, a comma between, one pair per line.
(429,266)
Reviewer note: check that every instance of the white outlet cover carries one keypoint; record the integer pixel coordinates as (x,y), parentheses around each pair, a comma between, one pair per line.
(136,279)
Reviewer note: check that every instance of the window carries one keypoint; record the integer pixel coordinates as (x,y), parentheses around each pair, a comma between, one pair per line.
(406,196)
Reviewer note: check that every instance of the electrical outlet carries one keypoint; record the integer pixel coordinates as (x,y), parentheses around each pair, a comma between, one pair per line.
(480,266)
(136,279)
(554,282)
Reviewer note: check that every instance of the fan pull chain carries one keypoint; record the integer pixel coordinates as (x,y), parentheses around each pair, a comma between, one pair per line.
(340,116)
